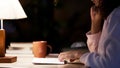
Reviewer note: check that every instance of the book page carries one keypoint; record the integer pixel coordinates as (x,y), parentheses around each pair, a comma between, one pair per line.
(46,61)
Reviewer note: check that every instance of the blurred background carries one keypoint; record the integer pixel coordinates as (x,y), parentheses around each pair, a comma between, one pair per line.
(59,22)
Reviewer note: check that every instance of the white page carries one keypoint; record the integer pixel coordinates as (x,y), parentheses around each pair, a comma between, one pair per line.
(46,61)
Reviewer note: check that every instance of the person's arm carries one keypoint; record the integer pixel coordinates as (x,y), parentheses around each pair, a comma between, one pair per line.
(96,27)
(109,45)
(96,20)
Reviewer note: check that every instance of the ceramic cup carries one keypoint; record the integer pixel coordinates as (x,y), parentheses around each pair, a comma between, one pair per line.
(41,49)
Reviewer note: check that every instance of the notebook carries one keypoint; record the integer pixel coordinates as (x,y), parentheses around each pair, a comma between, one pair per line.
(45,61)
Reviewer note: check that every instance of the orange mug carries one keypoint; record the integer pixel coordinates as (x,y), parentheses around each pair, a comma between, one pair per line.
(41,49)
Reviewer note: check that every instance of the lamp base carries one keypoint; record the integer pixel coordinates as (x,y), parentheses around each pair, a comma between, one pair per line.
(2,42)
(8,59)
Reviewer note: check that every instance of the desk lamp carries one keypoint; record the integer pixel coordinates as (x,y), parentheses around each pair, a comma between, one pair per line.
(9,9)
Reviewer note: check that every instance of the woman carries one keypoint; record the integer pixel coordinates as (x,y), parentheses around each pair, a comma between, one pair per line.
(103,38)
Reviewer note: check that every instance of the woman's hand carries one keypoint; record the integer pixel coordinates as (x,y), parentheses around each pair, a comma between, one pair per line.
(71,55)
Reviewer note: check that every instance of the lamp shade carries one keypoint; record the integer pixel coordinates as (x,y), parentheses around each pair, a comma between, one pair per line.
(11,9)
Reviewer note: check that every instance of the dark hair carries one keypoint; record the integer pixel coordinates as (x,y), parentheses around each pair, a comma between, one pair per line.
(109,5)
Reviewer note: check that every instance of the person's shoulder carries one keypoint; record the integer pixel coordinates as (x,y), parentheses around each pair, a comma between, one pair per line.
(115,14)
(116,11)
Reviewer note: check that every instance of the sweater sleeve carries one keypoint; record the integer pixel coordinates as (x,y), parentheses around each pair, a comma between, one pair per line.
(92,41)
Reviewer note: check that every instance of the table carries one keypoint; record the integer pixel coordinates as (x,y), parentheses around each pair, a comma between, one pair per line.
(25,57)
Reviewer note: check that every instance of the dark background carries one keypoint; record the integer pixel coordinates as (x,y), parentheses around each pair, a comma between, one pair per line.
(60,23)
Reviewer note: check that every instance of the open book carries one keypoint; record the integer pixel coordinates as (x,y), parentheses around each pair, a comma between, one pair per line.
(46,61)
(52,61)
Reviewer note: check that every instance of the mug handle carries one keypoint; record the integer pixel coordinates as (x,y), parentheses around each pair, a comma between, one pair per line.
(49,49)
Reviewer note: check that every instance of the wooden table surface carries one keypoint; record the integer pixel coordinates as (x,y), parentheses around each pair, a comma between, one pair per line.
(25,57)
